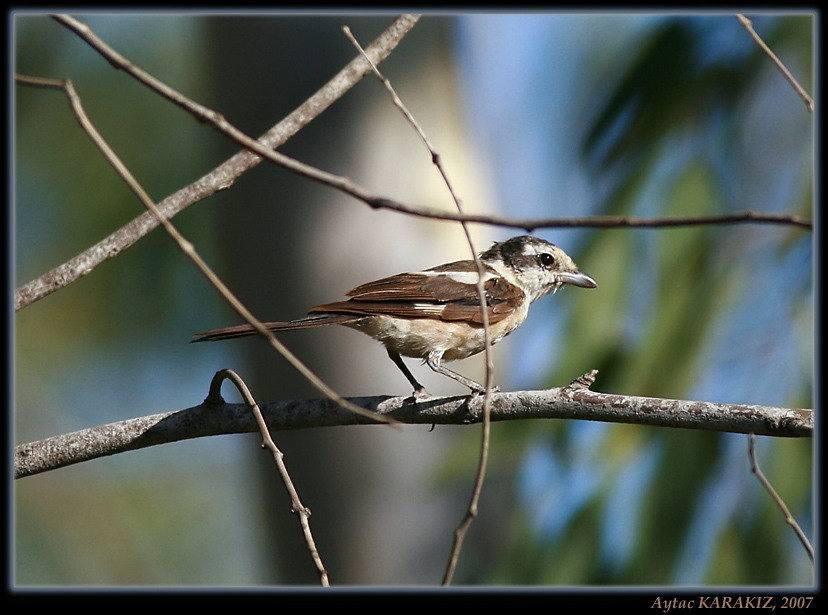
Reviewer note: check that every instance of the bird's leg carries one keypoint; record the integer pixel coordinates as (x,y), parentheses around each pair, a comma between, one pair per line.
(419,390)
(433,361)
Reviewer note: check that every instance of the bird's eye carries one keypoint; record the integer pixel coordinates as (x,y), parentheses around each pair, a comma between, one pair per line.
(546,259)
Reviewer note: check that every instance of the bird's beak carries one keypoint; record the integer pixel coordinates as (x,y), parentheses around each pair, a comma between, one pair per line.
(578,279)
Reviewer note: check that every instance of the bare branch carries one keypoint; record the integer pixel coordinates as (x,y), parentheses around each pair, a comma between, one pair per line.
(809,102)
(571,402)
(297,507)
(780,503)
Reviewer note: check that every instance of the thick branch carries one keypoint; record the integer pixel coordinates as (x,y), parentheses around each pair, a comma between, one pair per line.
(571,402)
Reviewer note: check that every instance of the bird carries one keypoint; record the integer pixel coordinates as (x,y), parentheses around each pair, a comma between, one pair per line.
(435,314)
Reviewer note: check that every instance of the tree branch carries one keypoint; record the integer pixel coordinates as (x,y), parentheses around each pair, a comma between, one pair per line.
(780,503)
(809,102)
(297,508)
(570,402)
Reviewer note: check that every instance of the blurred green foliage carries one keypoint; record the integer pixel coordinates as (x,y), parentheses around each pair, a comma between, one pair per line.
(677,123)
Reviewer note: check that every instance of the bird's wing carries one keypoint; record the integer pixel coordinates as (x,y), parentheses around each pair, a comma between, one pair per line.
(447,292)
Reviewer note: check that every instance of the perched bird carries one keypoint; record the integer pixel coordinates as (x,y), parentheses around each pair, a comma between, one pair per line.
(435,314)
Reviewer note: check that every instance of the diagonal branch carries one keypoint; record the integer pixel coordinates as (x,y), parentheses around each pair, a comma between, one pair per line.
(780,503)
(297,508)
(748,25)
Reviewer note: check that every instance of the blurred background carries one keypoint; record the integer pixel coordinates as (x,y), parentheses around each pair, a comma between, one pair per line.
(534,115)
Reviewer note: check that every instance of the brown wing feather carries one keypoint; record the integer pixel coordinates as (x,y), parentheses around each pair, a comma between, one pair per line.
(415,286)
(502,299)
(415,295)
(401,287)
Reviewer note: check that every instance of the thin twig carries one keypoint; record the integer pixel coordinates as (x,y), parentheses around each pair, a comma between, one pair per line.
(471,511)
(214,397)
(809,102)
(184,245)
(789,519)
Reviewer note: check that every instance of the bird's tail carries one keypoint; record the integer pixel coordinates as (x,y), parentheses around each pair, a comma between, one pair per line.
(308,322)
